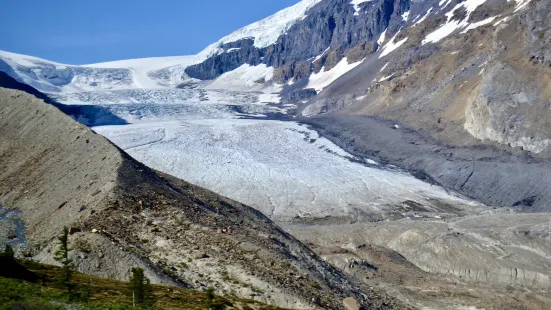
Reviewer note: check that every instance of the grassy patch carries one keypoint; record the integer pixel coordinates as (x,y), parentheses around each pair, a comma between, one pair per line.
(108,294)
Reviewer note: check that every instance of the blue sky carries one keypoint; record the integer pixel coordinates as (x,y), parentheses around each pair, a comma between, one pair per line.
(81,32)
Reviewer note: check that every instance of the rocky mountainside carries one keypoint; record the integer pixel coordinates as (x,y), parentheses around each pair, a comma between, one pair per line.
(470,74)
(406,142)
(473,76)
(122,214)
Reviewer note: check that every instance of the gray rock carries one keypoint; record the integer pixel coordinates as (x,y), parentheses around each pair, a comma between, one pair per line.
(329,23)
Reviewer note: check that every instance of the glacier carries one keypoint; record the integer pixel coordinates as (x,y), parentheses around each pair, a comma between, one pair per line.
(283,169)
(227,134)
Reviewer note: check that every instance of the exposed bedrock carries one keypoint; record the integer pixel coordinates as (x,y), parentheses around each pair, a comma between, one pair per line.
(507,111)
(329,23)
(513,102)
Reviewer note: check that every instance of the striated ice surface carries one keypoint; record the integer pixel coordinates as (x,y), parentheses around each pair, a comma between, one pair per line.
(283,169)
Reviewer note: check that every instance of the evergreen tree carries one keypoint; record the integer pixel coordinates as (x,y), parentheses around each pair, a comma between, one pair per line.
(212,303)
(142,293)
(62,256)
(8,254)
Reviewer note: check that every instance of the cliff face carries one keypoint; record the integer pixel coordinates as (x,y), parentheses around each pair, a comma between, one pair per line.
(488,79)
(331,30)
(123,214)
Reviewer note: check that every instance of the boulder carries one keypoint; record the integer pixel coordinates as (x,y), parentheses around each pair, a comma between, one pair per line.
(351,304)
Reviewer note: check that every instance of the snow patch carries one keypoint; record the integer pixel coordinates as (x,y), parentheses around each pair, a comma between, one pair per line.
(321,55)
(444,3)
(386,78)
(521,4)
(452,25)
(501,21)
(247,78)
(382,37)
(478,24)
(322,79)
(356,4)
(384,67)
(442,32)
(424,17)
(392,46)
(405,16)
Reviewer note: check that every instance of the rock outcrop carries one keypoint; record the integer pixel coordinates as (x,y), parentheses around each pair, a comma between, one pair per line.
(333,23)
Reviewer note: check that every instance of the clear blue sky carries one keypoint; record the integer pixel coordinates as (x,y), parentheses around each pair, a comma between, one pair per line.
(90,31)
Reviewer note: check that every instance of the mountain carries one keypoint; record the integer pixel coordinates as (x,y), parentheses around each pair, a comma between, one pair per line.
(441,68)
(404,142)
(121,214)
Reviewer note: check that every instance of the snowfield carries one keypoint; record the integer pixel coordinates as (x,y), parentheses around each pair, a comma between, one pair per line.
(265,32)
(283,169)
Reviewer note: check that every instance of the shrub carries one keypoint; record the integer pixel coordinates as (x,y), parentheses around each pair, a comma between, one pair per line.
(8,253)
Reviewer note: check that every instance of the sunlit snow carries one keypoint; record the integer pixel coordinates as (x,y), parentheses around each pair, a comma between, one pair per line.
(424,17)
(283,169)
(392,46)
(322,79)
(521,4)
(452,25)
(478,24)
(247,78)
(266,32)
(356,4)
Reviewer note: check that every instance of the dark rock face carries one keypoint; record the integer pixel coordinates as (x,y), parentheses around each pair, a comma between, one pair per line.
(235,54)
(331,23)
(538,35)
(301,94)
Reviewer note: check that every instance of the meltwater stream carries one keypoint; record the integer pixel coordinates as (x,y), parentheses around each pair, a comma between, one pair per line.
(12,228)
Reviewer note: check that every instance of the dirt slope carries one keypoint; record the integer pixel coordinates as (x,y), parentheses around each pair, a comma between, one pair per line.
(59,172)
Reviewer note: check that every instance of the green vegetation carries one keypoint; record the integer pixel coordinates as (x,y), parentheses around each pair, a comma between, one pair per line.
(542,35)
(8,253)
(212,303)
(46,293)
(315,285)
(140,286)
(63,257)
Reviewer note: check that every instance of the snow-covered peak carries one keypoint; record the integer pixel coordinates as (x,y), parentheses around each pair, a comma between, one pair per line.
(52,77)
(145,73)
(266,32)
(26,60)
(151,63)
(356,4)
